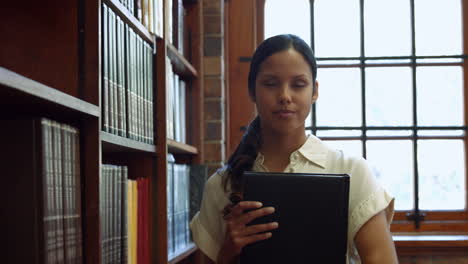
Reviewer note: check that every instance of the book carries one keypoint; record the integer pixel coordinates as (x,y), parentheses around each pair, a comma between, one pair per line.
(312,212)
(39,153)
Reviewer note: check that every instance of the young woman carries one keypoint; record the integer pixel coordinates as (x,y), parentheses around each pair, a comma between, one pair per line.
(282,83)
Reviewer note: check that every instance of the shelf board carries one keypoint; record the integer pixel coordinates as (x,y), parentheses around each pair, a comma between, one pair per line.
(33,96)
(183,254)
(131,20)
(175,147)
(180,65)
(113,143)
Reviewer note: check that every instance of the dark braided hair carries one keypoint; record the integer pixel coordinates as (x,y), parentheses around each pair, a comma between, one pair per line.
(246,152)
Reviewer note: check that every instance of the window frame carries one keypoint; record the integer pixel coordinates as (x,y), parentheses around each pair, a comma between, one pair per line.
(403,221)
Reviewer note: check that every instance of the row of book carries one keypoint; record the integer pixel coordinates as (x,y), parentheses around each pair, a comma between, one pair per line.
(178,206)
(176,106)
(124,216)
(43,196)
(148,12)
(127,83)
(176,24)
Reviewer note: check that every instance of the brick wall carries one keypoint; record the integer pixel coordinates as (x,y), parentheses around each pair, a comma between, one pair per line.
(214,79)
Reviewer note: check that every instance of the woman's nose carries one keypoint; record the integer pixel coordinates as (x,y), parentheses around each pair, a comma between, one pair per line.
(285,95)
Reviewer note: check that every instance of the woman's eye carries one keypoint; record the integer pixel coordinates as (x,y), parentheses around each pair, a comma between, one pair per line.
(269,84)
(299,84)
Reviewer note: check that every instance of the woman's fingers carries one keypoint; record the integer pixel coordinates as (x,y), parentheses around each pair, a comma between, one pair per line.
(260,228)
(253,238)
(239,208)
(248,217)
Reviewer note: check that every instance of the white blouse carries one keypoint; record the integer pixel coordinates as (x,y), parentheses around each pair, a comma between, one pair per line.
(366,199)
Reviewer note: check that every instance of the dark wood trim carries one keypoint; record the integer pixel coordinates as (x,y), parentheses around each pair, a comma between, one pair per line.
(260,18)
(410,244)
(23,89)
(113,143)
(183,254)
(195,95)
(180,65)
(90,155)
(131,20)
(159,179)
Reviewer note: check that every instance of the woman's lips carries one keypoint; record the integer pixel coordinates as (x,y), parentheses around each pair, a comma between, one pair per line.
(284,113)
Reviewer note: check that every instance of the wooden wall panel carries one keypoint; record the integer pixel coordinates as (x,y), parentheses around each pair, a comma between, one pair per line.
(242,43)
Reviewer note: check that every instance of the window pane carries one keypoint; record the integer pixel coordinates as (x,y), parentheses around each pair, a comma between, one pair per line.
(387,28)
(339,133)
(441,174)
(438,27)
(336,22)
(392,162)
(440,96)
(288,17)
(349,147)
(339,102)
(389,96)
(389,133)
(441,133)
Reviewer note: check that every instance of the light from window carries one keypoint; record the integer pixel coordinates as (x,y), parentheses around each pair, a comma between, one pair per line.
(392,162)
(387,28)
(288,17)
(440,96)
(339,102)
(441,174)
(389,96)
(337,31)
(438,27)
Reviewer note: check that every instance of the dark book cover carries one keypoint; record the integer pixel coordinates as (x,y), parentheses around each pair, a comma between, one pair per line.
(312,212)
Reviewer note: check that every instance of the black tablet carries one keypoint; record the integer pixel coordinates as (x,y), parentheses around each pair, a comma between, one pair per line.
(312,212)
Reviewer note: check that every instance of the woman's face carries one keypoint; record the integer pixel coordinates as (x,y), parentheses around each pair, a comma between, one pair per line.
(284,92)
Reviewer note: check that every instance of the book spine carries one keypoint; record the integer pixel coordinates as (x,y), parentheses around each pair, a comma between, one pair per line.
(124,217)
(111,70)
(68,228)
(57,156)
(122,80)
(129,97)
(176,107)
(151,95)
(130,221)
(143,70)
(134,227)
(49,194)
(134,86)
(118,205)
(186,204)
(182,111)
(115,90)
(119,82)
(101,211)
(146,96)
(76,198)
(139,89)
(105,70)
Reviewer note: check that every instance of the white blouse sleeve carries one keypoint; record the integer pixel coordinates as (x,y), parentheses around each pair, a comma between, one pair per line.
(367,197)
(207,225)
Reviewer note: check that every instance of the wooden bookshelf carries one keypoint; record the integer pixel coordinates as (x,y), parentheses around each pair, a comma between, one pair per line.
(112,143)
(60,76)
(175,147)
(20,90)
(181,66)
(131,20)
